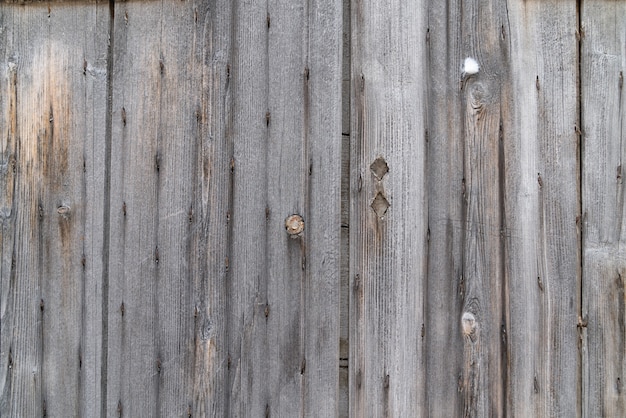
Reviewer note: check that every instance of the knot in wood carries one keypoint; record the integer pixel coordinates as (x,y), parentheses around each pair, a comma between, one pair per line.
(468,323)
(294,225)
(64,211)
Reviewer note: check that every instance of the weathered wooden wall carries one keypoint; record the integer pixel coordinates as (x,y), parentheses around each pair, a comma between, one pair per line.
(462,253)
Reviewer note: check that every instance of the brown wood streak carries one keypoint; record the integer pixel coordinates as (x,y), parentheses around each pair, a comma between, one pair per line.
(210,235)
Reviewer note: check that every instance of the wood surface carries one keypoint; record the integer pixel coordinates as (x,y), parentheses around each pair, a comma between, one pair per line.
(462,251)
(388,220)
(603,66)
(216,140)
(542,210)
(487,331)
(53,117)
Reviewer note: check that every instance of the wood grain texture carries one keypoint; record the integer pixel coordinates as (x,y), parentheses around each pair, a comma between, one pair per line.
(287,290)
(542,201)
(603,66)
(466,283)
(53,84)
(445,285)
(146,176)
(493,137)
(388,222)
(166,326)
(216,140)
(247,289)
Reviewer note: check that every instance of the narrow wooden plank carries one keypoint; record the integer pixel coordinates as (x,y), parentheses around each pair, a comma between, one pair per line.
(344,304)
(288,184)
(542,198)
(166,339)
(445,292)
(388,219)
(54,84)
(210,214)
(322,129)
(247,293)
(603,66)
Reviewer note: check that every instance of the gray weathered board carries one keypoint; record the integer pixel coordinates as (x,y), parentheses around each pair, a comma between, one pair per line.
(462,253)
(53,99)
(603,109)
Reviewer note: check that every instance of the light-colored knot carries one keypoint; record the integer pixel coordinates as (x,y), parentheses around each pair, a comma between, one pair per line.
(468,323)
(294,224)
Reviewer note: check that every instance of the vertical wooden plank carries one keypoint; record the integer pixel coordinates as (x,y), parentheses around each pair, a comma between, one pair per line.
(53,83)
(542,202)
(209,215)
(344,314)
(466,284)
(388,237)
(322,128)
(445,287)
(288,148)
(292,343)
(603,66)
(169,195)
(248,270)
(542,210)
(95,33)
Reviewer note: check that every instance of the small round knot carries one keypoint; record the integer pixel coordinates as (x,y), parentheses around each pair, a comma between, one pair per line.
(64,211)
(468,323)
(294,224)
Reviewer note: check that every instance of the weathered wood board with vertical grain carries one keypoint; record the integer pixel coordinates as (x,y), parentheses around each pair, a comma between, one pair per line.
(603,67)
(160,335)
(541,183)
(53,121)
(388,222)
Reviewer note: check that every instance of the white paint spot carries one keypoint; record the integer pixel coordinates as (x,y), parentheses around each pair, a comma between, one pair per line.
(470,66)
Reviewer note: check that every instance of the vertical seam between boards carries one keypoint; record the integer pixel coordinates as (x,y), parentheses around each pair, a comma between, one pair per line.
(579,144)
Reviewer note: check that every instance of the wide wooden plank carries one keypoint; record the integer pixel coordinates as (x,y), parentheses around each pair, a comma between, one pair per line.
(388,222)
(53,83)
(498,230)
(603,67)
(285,293)
(170,182)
